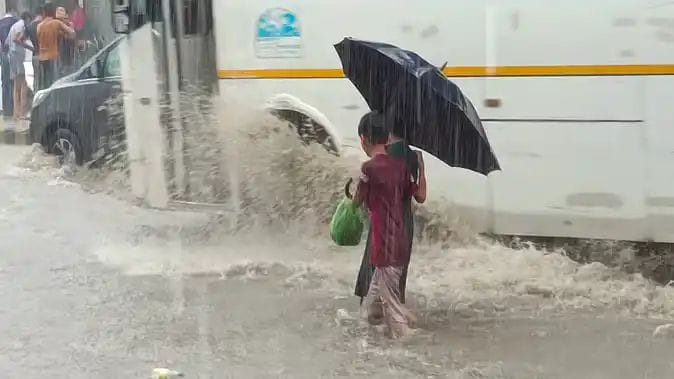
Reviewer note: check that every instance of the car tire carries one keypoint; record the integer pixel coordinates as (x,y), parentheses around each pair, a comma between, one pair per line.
(308,130)
(66,145)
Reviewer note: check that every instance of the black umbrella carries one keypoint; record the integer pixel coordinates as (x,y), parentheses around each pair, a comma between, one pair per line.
(419,103)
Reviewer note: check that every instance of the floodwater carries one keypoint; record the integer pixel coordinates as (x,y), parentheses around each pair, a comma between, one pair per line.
(95,286)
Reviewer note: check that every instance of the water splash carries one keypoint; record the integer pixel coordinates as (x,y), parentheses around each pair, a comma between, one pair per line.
(286,191)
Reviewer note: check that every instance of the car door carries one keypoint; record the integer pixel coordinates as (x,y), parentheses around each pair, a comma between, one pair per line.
(109,116)
(98,92)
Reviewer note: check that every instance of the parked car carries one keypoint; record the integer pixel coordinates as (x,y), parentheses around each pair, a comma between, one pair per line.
(72,117)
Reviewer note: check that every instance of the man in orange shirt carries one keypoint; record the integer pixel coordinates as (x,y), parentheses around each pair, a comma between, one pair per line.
(48,33)
(66,45)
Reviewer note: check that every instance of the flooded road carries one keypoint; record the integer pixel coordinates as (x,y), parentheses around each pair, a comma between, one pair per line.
(94,286)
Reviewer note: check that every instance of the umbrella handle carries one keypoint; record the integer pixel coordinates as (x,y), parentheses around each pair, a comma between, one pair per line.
(347,189)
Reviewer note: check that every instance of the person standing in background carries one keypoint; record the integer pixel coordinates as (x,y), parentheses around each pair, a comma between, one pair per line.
(78,18)
(31,31)
(398,148)
(16,41)
(48,33)
(79,21)
(6,23)
(66,44)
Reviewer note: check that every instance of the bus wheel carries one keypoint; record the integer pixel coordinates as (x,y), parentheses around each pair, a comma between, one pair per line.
(307,129)
(66,146)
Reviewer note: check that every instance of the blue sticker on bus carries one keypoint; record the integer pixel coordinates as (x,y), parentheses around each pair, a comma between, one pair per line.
(278,34)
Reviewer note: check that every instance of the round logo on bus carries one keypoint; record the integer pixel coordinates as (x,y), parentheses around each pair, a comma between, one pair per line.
(278,34)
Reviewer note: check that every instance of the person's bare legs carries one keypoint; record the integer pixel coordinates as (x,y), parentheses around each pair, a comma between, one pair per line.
(20,96)
(24,97)
(375,310)
(18,111)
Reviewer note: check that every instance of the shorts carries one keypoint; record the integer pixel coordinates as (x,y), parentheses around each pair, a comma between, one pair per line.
(16,67)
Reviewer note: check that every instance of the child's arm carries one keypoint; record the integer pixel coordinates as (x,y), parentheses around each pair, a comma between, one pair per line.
(69,32)
(21,40)
(420,194)
(361,189)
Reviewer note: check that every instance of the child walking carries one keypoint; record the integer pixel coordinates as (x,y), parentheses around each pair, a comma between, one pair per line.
(385,185)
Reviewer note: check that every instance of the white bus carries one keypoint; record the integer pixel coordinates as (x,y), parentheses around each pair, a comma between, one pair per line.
(575,95)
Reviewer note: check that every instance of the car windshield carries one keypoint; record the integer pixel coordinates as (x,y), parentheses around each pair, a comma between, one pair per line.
(111,46)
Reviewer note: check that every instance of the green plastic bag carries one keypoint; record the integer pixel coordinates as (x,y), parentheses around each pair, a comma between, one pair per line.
(346,227)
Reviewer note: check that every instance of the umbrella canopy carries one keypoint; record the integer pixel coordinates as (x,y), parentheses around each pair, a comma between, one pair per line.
(419,103)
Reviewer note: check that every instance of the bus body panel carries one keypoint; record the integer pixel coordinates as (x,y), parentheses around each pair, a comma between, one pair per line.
(583,126)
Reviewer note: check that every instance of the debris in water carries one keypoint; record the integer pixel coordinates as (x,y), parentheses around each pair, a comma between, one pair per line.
(164,373)
(666,330)
(540,333)
(343,317)
(540,291)
(465,310)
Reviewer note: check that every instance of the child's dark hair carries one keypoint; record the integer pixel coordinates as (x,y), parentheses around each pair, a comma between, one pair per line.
(372,127)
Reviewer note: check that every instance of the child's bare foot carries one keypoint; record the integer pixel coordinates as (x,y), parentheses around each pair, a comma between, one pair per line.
(411,320)
(398,331)
(375,319)
(375,313)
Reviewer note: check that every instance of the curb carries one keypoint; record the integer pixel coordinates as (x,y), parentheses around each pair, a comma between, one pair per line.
(11,135)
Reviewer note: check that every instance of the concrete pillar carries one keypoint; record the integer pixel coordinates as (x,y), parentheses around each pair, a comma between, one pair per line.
(146,139)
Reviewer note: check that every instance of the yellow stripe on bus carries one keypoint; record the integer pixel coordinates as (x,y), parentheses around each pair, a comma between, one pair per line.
(465,71)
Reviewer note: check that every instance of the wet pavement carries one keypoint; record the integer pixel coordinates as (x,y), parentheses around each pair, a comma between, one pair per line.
(87,293)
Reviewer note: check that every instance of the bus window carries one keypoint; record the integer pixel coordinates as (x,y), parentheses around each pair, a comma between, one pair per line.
(154,10)
(209,15)
(197,17)
(191,17)
(146,11)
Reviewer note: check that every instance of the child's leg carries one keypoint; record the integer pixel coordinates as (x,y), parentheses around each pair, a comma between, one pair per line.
(24,96)
(17,98)
(375,312)
(396,315)
(411,318)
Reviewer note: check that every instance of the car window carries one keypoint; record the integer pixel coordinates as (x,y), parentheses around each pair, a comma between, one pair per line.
(112,63)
